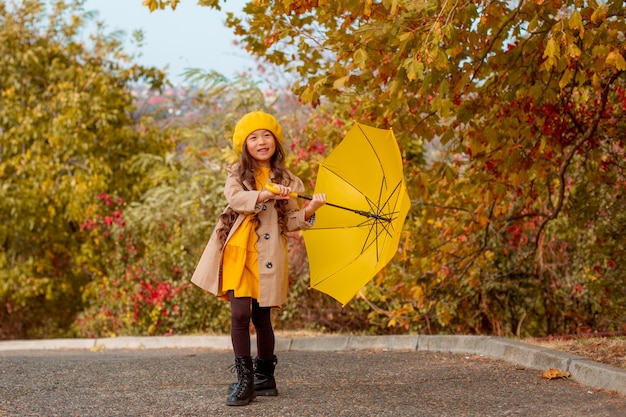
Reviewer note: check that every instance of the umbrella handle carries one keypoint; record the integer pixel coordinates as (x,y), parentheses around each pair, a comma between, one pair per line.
(270,186)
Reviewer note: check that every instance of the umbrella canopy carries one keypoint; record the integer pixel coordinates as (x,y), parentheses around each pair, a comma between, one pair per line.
(357,233)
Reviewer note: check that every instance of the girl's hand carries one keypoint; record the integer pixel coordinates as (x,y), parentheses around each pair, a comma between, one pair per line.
(279,192)
(317,201)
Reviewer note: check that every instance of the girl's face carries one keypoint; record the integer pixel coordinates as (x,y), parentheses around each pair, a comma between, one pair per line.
(261,145)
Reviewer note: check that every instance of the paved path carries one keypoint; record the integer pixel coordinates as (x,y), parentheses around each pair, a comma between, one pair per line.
(326,376)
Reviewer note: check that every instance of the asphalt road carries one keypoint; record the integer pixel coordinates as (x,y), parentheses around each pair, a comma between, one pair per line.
(193,382)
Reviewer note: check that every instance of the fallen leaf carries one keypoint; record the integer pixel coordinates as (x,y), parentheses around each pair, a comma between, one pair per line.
(555,373)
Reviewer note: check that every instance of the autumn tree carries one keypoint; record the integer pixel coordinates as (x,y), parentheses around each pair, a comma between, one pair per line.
(108,200)
(518,210)
(155,241)
(67,138)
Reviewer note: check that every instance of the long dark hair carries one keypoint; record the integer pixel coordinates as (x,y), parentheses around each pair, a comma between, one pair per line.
(246,168)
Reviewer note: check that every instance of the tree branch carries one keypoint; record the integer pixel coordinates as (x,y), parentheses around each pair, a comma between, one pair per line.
(572,152)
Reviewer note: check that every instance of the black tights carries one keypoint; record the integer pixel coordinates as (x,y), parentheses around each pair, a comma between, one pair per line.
(242,311)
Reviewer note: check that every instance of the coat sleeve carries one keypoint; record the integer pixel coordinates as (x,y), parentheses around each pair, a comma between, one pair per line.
(241,200)
(295,211)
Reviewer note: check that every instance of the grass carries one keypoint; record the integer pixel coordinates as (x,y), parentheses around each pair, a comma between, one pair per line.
(607,350)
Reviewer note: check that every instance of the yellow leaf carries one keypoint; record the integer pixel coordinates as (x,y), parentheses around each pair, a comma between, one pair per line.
(406,36)
(551,52)
(599,15)
(152,4)
(555,373)
(360,58)
(417,292)
(395,86)
(339,82)
(532,25)
(573,51)
(394,8)
(576,22)
(595,81)
(367,10)
(442,106)
(615,59)
(565,79)
(483,220)
(320,83)
(443,315)
(414,69)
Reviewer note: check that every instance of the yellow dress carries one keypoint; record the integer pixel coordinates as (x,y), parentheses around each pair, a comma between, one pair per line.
(240,261)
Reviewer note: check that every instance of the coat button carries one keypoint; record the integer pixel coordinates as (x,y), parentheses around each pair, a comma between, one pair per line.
(266,236)
(268,265)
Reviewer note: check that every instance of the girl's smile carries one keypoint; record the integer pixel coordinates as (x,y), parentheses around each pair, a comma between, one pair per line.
(261,146)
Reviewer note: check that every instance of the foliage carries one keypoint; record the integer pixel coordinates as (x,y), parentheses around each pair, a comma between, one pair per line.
(152,250)
(510,116)
(142,287)
(144,187)
(518,209)
(65,137)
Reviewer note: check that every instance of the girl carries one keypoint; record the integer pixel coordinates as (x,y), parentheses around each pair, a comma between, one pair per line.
(245,260)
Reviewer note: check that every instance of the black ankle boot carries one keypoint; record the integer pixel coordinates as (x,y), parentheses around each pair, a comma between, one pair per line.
(264,382)
(244,388)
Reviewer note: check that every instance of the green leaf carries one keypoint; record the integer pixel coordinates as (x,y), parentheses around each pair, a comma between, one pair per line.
(476,146)
(491,135)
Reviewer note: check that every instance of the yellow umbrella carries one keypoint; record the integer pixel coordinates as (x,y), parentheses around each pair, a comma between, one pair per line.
(357,232)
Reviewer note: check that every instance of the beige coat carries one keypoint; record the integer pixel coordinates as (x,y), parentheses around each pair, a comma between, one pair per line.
(272,247)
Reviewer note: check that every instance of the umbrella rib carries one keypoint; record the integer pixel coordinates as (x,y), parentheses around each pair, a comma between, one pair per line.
(385,227)
(380,164)
(396,193)
(374,206)
(371,204)
(329,276)
(375,240)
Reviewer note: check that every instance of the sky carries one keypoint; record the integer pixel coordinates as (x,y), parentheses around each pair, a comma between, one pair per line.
(192,36)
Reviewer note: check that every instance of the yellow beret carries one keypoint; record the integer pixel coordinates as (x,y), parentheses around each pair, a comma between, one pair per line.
(254,121)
